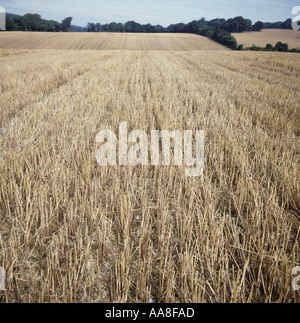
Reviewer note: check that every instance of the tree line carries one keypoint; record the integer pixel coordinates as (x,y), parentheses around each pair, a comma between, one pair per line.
(279,47)
(195,27)
(218,30)
(34,22)
(240,24)
(232,25)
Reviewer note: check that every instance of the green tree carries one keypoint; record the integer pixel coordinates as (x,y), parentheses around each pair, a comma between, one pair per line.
(192,27)
(133,27)
(159,29)
(150,29)
(66,24)
(287,24)
(281,47)
(20,23)
(91,27)
(258,26)
(10,25)
(98,27)
(114,27)
(33,22)
(269,48)
(51,25)
(239,25)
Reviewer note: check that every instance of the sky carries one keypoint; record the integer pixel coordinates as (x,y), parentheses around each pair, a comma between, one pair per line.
(163,12)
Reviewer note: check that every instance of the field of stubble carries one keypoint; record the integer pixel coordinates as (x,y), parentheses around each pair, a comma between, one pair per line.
(269,36)
(72,231)
(106,41)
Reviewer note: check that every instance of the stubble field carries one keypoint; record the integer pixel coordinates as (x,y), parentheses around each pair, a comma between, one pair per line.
(269,36)
(106,41)
(72,231)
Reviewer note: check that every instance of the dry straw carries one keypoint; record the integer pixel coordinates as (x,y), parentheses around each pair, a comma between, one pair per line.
(72,231)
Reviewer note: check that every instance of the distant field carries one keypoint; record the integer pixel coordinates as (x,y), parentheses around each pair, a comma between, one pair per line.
(106,41)
(269,36)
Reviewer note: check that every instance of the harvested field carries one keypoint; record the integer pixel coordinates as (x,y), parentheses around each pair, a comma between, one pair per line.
(269,36)
(106,41)
(73,231)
